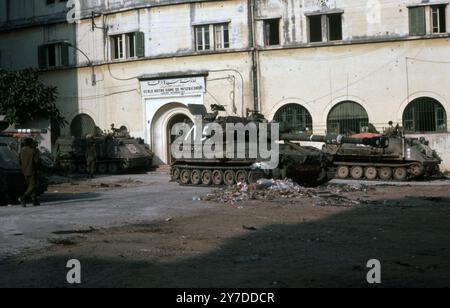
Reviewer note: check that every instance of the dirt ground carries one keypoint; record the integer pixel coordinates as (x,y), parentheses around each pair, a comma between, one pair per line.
(279,243)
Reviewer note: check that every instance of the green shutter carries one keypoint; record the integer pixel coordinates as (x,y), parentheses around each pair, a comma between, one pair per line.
(42,56)
(417,21)
(140,44)
(64,55)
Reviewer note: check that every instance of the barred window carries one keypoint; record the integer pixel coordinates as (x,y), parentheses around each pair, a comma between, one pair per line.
(294,118)
(425,114)
(347,118)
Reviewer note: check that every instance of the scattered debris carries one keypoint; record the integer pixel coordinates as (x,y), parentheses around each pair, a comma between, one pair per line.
(270,190)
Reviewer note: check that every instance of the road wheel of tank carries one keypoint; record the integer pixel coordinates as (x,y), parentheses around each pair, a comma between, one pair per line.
(217,177)
(81,168)
(102,168)
(371,173)
(113,168)
(206,177)
(416,170)
(385,173)
(185,177)
(229,177)
(400,174)
(241,176)
(357,173)
(175,174)
(196,177)
(342,172)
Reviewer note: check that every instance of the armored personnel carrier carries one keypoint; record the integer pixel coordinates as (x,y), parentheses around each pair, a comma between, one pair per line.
(12,181)
(305,165)
(403,159)
(116,152)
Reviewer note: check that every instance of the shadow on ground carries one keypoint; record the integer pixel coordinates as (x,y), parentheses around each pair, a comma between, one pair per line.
(409,238)
(67,197)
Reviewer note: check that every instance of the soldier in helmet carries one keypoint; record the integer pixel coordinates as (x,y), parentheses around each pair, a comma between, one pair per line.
(29,162)
(91,157)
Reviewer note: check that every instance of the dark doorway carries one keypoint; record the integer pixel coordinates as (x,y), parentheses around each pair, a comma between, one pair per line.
(179,118)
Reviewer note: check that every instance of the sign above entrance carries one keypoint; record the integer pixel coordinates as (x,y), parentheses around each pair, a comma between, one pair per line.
(173,87)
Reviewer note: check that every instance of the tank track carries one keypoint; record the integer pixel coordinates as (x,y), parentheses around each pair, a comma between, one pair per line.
(380,172)
(214,175)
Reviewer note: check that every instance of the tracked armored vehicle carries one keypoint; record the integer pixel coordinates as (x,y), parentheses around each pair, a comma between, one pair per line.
(402,160)
(117,152)
(12,181)
(305,165)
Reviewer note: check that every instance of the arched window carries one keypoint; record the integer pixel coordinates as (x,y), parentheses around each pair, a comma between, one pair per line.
(294,118)
(425,114)
(347,118)
(82,125)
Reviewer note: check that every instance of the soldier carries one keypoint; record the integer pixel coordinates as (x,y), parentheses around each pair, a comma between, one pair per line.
(29,162)
(91,157)
(391,130)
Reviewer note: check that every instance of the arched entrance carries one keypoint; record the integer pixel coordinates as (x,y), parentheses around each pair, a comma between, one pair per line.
(163,121)
(425,114)
(176,119)
(347,117)
(82,125)
(294,118)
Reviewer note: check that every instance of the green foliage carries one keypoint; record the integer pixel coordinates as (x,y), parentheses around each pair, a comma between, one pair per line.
(24,97)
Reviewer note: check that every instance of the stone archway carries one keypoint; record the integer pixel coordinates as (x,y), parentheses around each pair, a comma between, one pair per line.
(162,122)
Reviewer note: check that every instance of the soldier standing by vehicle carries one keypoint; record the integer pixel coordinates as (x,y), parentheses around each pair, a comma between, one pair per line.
(91,157)
(29,162)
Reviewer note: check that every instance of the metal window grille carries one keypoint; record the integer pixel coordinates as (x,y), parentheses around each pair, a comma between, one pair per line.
(294,118)
(425,114)
(348,118)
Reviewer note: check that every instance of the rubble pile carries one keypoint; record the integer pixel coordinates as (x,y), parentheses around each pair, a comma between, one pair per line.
(273,190)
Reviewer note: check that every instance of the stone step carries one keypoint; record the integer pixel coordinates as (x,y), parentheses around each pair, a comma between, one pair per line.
(163,168)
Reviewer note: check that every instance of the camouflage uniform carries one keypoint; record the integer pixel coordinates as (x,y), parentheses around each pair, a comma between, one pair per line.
(29,162)
(91,159)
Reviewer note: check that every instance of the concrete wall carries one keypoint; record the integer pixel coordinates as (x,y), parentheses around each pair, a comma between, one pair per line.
(373,75)
(19,48)
(117,101)
(440,143)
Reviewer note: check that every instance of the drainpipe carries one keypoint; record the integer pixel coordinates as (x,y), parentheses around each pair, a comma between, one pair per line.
(255,56)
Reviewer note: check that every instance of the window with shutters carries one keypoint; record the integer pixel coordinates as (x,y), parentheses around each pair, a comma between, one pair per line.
(417,21)
(127,46)
(53,55)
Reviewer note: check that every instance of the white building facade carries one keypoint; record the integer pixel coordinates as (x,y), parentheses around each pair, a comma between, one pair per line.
(317,65)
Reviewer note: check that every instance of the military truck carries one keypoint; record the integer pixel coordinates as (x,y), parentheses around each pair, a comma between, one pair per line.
(117,152)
